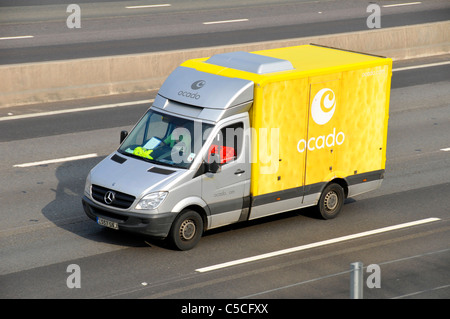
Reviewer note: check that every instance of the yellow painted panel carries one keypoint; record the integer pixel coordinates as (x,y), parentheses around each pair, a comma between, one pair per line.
(353,141)
(280,109)
(364,116)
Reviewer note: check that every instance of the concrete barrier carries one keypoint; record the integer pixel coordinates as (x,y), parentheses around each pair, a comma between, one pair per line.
(30,83)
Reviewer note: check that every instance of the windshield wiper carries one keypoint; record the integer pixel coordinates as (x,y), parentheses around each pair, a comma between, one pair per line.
(153,161)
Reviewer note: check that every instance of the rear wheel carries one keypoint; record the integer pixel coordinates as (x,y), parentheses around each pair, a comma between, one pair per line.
(186,230)
(331,201)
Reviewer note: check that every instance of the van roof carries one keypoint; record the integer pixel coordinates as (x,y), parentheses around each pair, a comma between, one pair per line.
(310,57)
(250,62)
(276,64)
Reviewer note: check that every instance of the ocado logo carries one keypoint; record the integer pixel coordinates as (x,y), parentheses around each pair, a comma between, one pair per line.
(327,98)
(322,110)
(197,85)
(322,141)
(190,95)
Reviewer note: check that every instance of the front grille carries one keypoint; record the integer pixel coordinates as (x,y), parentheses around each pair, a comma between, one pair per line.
(121,200)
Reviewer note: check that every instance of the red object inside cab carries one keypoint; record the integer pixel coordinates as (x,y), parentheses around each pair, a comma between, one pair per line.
(226,153)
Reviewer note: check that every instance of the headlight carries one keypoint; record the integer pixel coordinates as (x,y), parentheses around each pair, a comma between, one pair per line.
(152,200)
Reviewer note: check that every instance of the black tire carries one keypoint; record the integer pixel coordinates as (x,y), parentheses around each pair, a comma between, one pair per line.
(331,201)
(186,231)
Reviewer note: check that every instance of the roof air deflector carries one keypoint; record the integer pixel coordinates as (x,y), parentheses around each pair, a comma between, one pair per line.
(250,62)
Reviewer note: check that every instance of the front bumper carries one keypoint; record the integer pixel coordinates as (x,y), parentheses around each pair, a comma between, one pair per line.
(156,225)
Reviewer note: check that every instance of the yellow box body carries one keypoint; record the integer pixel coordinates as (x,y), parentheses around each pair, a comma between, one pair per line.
(314,145)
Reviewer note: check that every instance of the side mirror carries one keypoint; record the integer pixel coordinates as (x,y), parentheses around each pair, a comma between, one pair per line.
(123,135)
(213,166)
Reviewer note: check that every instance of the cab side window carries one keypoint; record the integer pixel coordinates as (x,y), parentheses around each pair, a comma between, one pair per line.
(228,143)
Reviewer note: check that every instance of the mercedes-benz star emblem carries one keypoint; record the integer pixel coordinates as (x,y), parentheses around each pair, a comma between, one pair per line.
(109,197)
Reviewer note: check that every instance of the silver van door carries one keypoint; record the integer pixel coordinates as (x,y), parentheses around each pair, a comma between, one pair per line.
(225,190)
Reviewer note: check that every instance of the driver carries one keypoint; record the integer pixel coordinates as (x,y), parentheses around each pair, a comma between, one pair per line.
(179,135)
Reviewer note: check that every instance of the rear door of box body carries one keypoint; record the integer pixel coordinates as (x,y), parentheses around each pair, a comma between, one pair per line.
(324,136)
(279,121)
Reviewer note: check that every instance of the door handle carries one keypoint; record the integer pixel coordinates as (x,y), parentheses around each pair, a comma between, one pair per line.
(239,172)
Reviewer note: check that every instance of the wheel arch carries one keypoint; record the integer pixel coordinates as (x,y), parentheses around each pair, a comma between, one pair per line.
(340,181)
(196,204)
(201,211)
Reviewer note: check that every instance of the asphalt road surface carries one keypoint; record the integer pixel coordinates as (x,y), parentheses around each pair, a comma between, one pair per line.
(44,231)
(32,31)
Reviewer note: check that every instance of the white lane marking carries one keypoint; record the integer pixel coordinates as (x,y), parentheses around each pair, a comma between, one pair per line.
(17,37)
(226,21)
(445,149)
(80,109)
(429,65)
(317,244)
(57,160)
(149,6)
(401,4)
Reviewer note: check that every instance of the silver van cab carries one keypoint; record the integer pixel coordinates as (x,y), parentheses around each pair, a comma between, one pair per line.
(160,182)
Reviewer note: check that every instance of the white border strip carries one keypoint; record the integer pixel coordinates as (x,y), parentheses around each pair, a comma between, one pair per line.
(57,160)
(317,244)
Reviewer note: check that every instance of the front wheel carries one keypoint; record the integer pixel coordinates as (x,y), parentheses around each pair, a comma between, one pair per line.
(186,230)
(331,201)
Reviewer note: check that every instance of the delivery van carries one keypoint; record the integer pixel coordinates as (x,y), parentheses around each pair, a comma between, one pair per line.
(239,136)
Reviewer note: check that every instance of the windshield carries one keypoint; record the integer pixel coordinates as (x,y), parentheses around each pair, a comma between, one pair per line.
(165,139)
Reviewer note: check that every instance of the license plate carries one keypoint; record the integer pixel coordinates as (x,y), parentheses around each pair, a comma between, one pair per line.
(107,223)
